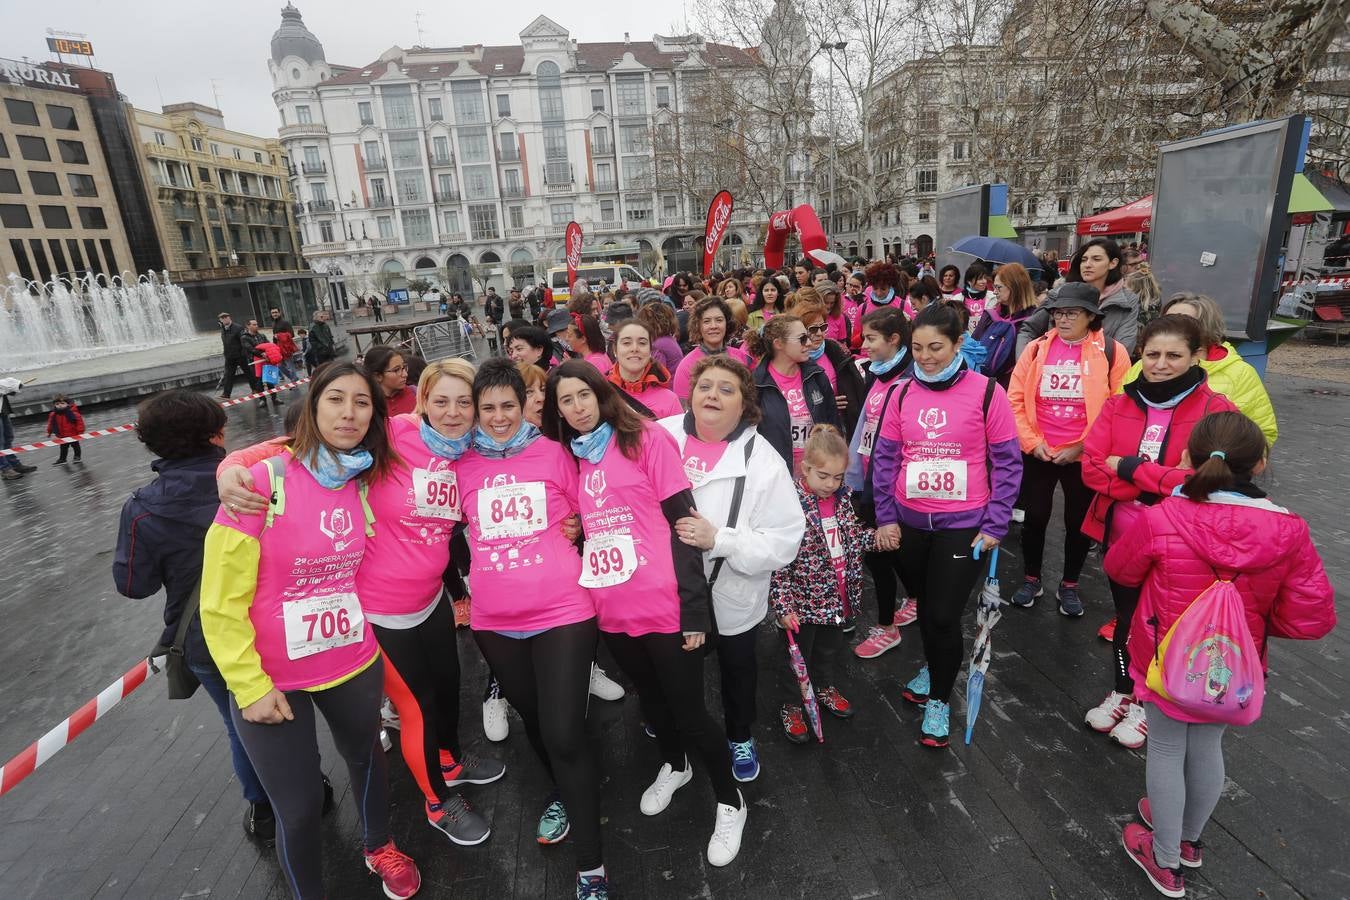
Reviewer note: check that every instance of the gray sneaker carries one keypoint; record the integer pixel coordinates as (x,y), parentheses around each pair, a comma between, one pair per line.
(469,769)
(1025,596)
(458,821)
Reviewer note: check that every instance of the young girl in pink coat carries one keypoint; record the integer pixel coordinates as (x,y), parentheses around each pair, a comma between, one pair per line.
(1217,525)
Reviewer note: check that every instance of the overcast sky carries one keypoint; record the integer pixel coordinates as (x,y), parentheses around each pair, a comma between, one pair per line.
(168,51)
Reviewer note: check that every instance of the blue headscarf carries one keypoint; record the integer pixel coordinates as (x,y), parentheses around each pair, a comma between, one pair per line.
(591,446)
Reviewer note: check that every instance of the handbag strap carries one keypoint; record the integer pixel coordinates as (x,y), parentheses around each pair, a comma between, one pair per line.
(185,618)
(737,493)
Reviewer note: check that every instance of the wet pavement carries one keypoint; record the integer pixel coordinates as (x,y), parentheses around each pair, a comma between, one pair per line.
(145,805)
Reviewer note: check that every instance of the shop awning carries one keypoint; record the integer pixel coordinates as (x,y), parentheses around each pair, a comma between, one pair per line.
(1128,219)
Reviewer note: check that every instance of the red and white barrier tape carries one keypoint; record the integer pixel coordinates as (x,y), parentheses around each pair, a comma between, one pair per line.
(45,747)
(118,429)
(1331,280)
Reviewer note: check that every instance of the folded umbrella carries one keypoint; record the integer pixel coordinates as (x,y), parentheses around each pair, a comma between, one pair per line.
(986,617)
(809,705)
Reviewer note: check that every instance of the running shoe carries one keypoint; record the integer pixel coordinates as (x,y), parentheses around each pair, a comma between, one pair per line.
(388,715)
(397,871)
(469,769)
(794,726)
(461,607)
(1025,596)
(849,625)
(834,702)
(1019,515)
(936,723)
(458,821)
(744,760)
(906,612)
(728,826)
(1131,732)
(1192,852)
(1104,716)
(658,795)
(495,723)
(916,690)
(553,824)
(880,638)
(1108,631)
(386,742)
(260,823)
(1070,604)
(592,887)
(1138,843)
(603,686)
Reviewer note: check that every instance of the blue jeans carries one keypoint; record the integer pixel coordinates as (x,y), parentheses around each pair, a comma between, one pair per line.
(214,684)
(7,460)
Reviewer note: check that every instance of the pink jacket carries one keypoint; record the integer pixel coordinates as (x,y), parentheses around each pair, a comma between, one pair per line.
(1177,546)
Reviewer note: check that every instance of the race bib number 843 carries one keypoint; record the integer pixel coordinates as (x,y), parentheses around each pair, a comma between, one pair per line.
(512,510)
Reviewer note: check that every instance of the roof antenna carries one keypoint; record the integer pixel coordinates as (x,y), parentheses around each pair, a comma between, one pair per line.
(418,19)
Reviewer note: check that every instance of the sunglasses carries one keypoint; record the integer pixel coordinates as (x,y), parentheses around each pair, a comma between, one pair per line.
(802,338)
(817,329)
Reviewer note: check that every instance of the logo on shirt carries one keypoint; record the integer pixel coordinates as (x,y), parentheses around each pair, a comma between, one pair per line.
(498,481)
(439,464)
(595,486)
(336,525)
(933,421)
(793,397)
(816,397)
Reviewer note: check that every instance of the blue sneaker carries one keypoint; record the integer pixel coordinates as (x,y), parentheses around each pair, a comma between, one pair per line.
(936,723)
(1025,596)
(553,824)
(916,691)
(1070,604)
(744,760)
(592,887)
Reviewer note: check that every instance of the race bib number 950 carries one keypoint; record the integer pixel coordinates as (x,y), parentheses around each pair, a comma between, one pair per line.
(436,494)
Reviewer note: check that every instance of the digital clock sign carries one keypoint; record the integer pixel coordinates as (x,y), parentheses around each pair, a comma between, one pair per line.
(70,45)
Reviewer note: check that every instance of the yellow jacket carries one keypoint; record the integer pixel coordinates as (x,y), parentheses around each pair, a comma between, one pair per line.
(1235,378)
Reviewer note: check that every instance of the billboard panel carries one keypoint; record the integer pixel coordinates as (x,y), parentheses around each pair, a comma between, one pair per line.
(960,213)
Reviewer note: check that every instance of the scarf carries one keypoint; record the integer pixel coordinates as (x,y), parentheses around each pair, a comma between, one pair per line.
(881,368)
(944,379)
(707,352)
(818,352)
(1166,394)
(442,446)
(650,377)
(974,353)
(592,445)
(332,469)
(489,447)
(884,301)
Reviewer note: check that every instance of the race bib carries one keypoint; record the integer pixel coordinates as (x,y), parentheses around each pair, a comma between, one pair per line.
(936,479)
(869,435)
(1062,382)
(512,510)
(436,494)
(316,624)
(800,429)
(607,560)
(834,541)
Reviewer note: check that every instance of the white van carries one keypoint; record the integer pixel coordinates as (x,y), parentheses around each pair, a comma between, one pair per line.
(611,274)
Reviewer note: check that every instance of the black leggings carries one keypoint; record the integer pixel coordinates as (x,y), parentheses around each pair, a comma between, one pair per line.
(669,682)
(1038,498)
(820,645)
(1125,599)
(286,758)
(421,677)
(740,679)
(884,566)
(547,679)
(942,566)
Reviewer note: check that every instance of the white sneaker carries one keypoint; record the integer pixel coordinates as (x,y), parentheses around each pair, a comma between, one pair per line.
(725,842)
(496,726)
(603,686)
(1019,515)
(388,715)
(1132,731)
(1104,716)
(656,798)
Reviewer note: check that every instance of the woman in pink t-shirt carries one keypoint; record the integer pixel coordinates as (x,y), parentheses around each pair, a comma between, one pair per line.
(794,392)
(710,322)
(587,341)
(641,379)
(282,618)
(650,593)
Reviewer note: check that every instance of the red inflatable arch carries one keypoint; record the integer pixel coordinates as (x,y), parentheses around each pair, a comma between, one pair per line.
(804,222)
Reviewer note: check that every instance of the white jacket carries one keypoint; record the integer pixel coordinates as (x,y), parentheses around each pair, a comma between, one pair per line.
(768,529)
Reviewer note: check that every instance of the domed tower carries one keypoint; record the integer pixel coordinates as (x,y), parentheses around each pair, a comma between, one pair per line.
(297,65)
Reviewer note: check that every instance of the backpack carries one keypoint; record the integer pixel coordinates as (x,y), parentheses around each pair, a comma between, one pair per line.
(1207,664)
(999,341)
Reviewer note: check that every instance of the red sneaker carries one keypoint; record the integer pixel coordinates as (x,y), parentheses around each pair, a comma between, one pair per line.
(1138,842)
(832,700)
(794,726)
(1192,852)
(1108,631)
(396,870)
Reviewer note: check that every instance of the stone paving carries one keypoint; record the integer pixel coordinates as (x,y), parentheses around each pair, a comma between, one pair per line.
(144,805)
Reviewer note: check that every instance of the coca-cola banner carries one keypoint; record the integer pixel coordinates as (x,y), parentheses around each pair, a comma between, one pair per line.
(572,244)
(719,216)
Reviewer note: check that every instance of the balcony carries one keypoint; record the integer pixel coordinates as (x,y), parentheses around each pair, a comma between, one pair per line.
(514,233)
(327,247)
(606,227)
(560,187)
(307,129)
(318,168)
(456,237)
(184,214)
(321,206)
(378,243)
(375,165)
(380,203)
(508,154)
(607,186)
(603,148)
(233,216)
(447,196)
(443,160)
(672,222)
(513,191)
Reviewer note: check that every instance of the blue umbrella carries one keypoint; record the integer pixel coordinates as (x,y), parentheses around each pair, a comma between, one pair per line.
(996,250)
(986,618)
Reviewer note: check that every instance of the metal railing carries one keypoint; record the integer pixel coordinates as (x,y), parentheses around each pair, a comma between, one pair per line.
(443,340)
(318,168)
(316,206)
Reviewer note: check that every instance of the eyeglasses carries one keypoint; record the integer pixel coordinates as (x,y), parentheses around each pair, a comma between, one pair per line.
(1000,287)
(817,329)
(1070,313)
(397,370)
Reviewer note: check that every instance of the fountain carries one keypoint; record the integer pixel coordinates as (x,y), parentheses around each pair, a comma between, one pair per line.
(62,320)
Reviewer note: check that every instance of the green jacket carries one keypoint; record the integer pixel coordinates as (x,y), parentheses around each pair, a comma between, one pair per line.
(1235,378)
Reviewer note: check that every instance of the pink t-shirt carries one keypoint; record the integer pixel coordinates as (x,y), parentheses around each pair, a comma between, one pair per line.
(627,564)
(830,373)
(601,361)
(871,413)
(834,543)
(837,327)
(799,414)
(701,458)
(1061,413)
(680,382)
(661,401)
(307,615)
(944,448)
(1125,513)
(417,506)
(524,571)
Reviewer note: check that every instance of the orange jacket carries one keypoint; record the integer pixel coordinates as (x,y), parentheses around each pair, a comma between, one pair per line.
(1100,381)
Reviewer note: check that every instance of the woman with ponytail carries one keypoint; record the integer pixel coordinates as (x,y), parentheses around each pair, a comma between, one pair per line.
(1218,525)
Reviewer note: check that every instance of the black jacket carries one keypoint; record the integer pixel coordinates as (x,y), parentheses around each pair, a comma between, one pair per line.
(160,536)
(279,326)
(492,308)
(231,341)
(248,343)
(848,383)
(776,424)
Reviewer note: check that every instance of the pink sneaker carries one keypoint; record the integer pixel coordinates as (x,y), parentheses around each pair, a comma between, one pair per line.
(1138,842)
(396,870)
(906,612)
(1192,852)
(880,638)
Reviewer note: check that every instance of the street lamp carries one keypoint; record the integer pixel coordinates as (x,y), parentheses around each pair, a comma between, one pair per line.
(829,48)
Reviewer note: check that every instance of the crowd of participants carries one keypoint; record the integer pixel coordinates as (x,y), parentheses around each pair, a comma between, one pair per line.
(665,471)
